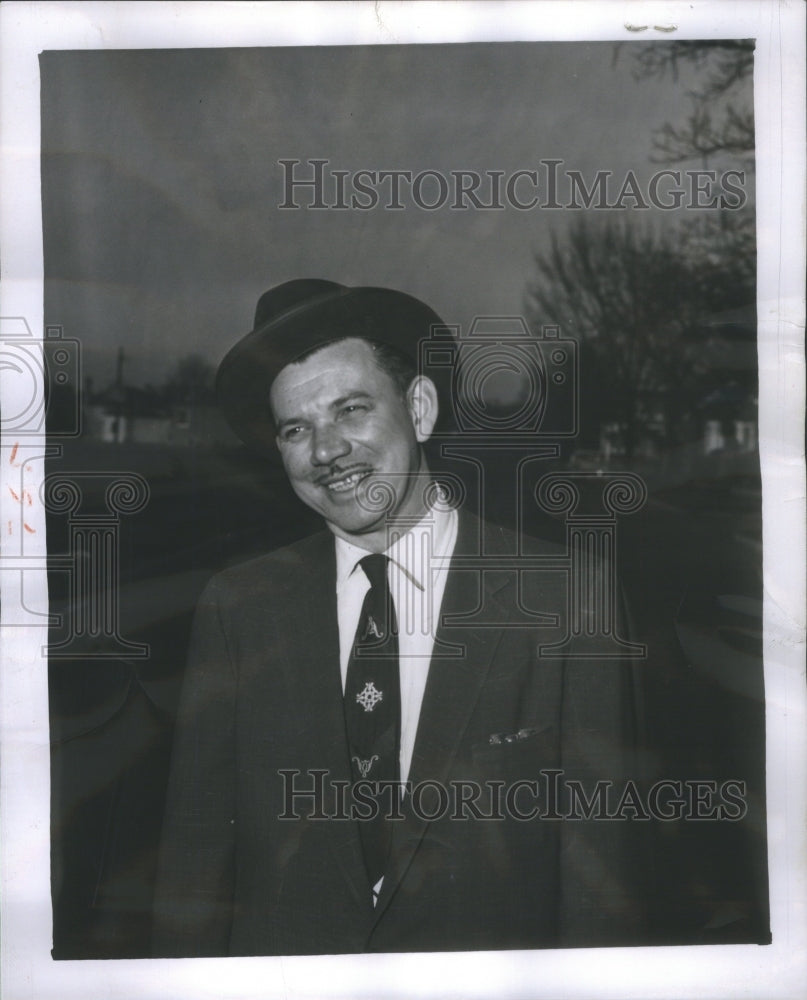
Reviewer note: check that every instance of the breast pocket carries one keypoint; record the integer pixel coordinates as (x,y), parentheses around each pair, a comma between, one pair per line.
(518,754)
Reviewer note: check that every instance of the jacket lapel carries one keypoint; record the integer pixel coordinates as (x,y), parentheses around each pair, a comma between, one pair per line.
(452,690)
(315,679)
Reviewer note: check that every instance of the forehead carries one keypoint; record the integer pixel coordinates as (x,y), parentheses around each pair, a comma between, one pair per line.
(346,366)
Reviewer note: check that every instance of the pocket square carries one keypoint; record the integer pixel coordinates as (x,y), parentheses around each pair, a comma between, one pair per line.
(520,734)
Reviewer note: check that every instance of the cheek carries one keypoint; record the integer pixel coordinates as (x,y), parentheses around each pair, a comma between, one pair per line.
(293,464)
(395,433)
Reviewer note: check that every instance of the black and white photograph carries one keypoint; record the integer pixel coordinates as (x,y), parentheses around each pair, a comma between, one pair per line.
(403,500)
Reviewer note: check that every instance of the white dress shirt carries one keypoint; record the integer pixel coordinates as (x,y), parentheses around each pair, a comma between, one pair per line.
(417,571)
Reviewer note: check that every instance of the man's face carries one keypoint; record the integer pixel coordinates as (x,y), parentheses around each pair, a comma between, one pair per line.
(343,426)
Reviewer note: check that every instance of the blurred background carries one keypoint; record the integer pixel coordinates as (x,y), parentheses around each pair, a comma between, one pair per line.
(162,186)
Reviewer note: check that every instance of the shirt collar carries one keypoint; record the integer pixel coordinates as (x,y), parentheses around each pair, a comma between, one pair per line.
(409,551)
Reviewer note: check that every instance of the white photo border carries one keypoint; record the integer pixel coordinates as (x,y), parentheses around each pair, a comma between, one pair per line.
(777,970)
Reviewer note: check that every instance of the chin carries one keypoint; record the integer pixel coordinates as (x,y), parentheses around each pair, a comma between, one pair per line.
(359,526)
(358,523)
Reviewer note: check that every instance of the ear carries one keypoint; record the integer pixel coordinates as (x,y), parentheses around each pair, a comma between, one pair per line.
(421,399)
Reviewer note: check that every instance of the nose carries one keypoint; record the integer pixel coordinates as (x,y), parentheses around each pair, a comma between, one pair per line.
(328,445)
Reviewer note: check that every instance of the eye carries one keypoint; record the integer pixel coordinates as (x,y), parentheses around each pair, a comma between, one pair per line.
(292,433)
(353,408)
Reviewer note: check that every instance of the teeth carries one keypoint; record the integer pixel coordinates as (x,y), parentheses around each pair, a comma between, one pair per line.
(345,484)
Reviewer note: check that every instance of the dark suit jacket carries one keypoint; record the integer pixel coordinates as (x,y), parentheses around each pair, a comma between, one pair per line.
(262,694)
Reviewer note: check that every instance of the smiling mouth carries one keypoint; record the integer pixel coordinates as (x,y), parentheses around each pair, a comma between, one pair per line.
(347,482)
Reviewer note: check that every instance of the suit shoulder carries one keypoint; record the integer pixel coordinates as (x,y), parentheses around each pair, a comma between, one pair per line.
(277,568)
(502,541)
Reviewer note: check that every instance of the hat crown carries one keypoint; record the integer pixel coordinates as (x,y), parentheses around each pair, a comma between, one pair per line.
(291,294)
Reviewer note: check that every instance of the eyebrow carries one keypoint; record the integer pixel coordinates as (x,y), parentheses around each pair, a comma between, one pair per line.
(334,405)
(356,394)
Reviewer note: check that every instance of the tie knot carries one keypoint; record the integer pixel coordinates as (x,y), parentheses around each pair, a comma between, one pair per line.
(375,569)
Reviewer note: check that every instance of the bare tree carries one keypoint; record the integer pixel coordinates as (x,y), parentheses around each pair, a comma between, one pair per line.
(721,118)
(647,305)
(641,303)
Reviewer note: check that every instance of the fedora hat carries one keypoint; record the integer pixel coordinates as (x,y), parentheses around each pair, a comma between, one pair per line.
(297,317)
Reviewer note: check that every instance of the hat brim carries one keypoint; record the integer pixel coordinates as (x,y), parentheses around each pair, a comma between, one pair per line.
(247,372)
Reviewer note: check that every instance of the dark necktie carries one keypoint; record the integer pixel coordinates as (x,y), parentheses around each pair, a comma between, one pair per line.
(373,710)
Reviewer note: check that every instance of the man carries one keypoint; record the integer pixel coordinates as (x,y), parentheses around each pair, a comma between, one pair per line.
(368,726)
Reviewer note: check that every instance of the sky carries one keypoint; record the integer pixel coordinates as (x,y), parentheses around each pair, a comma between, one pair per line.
(162,181)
